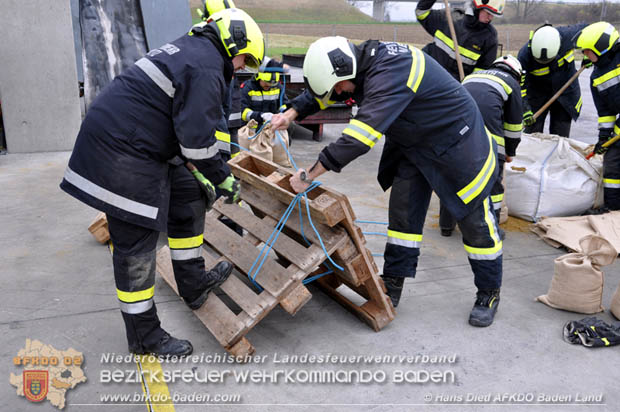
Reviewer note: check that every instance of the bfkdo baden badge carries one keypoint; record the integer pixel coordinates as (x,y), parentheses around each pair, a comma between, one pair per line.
(35,385)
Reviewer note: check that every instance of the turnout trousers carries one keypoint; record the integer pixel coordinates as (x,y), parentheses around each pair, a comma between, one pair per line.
(409,201)
(611,177)
(134,258)
(559,120)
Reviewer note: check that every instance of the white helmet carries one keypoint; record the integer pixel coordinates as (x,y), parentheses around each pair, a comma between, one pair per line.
(328,61)
(545,44)
(495,7)
(511,63)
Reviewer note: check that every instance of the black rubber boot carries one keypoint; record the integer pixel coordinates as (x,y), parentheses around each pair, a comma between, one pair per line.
(167,345)
(446,232)
(394,286)
(483,312)
(212,279)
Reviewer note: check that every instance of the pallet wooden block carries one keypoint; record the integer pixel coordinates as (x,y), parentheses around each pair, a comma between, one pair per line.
(99,228)
(297,254)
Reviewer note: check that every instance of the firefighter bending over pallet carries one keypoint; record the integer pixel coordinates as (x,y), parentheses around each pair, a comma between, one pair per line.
(435,140)
(167,106)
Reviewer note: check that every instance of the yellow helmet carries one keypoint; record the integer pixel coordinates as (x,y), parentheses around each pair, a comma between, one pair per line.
(240,35)
(213,6)
(599,37)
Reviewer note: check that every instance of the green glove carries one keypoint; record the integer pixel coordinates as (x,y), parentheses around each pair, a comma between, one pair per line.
(207,187)
(528,118)
(232,189)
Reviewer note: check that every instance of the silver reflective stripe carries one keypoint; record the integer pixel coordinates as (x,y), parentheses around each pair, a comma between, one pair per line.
(106,196)
(606,85)
(420,12)
(611,185)
(185,254)
(494,256)
(267,97)
(510,133)
(443,46)
(234,116)
(491,83)
(156,75)
(199,154)
(223,146)
(137,307)
(497,205)
(404,243)
(501,149)
(362,132)
(606,125)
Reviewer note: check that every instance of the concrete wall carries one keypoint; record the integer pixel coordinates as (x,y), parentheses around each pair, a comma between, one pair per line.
(38,78)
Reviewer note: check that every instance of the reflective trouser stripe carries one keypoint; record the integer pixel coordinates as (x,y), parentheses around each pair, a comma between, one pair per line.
(106,196)
(185,254)
(491,253)
(473,189)
(497,201)
(611,183)
(185,242)
(410,240)
(136,308)
(159,78)
(199,154)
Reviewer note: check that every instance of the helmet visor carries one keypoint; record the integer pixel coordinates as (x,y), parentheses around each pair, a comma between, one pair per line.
(251,64)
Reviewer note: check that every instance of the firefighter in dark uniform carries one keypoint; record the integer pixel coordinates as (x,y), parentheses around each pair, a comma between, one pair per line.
(167,106)
(435,141)
(548,60)
(600,45)
(475,34)
(497,93)
(477,39)
(263,96)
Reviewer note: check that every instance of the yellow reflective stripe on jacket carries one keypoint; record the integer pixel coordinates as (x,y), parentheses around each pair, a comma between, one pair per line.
(222,137)
(611,78)
(246,113)
(578,105)
(416,74)
(233,155)
(269,92)
(611,183)
(185,242)
(616,129)
(137,296)
(362,132)
(498,139)
(523,92)
(447,45)
(422,14)
(497,198)
(487,253)
(568,57)
(473,189)
(541,72)
(410,240)
(513,127)
(493,81)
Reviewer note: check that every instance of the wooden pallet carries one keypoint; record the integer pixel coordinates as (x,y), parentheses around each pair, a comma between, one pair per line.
(265,188)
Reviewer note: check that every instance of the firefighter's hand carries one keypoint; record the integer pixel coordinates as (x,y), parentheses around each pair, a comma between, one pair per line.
(207,188)
(297,183)
(509,159)
(599,149)
(281,121)
(528,118)
(231,188)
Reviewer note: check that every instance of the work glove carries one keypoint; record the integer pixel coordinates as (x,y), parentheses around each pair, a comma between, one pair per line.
(528,118)
(207,187)
(586,62)
(603,136)
(231,188)
(266,116)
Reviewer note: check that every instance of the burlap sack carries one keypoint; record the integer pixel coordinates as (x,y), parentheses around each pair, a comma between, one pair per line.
(577,283)
(615,304)
(266,144)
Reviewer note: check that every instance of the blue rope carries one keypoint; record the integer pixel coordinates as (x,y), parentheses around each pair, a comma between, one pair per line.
(239,146)
(375,233)
(370,221)
(315,277)
(378,254)
(279,136)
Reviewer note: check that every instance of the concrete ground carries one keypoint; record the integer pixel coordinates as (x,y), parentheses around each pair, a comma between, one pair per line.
(59,289)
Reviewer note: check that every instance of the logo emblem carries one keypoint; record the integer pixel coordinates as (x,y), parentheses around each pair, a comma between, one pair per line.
(35,385)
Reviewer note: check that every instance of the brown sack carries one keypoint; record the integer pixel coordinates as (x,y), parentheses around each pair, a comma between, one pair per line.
(615,304)
(279,152)
(577,283)
(266,144)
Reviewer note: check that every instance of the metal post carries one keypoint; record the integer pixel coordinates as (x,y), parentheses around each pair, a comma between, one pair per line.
(395,33)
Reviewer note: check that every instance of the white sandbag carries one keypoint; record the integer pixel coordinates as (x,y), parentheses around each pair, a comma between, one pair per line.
(550,176)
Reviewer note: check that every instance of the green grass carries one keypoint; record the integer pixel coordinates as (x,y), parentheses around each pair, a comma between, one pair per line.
(277,52)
